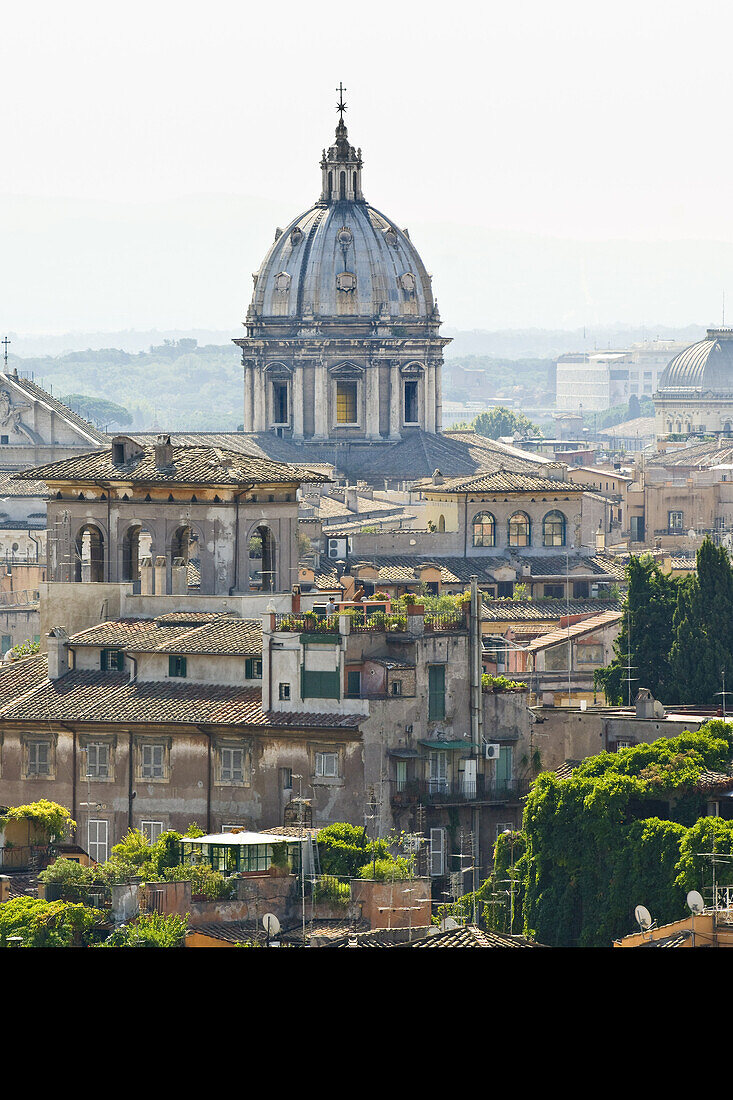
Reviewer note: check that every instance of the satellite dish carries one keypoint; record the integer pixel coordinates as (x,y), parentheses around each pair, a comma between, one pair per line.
(448,924)
(643,917)
(695,902)
(271,924)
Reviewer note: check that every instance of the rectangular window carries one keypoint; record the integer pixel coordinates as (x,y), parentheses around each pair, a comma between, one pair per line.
(7,643)
(346,402)
(284,691)
(152,830)
(438,771)
(231,765)
(327,765)
(39,758)
(675,521)
(97,761)
(412,414)
(97,840)
(637,528)
(353,684)
(253,668)
(437,852)
(286,779)
(503,774)
(280,402)
(401,774)
(4,438)
(396,687)
(316,684)
(436,692)
(177,666)
(152,761)
(112,660)
(556,591)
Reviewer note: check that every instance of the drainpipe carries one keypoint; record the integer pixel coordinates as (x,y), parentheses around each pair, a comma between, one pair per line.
(477,723)
(207,735)
(130,792)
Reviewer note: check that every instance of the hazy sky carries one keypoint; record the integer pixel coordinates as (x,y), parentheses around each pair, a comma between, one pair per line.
(541,154)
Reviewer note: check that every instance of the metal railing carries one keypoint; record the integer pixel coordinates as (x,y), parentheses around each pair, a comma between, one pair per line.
(483,789)
(32,857)
(444,621)
(96,896)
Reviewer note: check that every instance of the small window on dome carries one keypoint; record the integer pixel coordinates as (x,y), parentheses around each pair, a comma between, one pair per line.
(282,281)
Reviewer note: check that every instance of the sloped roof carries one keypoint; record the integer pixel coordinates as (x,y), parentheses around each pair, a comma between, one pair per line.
(88,696)
(189,465)
(219,634)
(471,936)
(35,393)
(549,609)
(503,481)
(575,630)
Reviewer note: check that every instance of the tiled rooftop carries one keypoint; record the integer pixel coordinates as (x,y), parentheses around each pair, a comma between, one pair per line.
(189,465)
(178,633)
(549,610)
(471,936)
(87,696)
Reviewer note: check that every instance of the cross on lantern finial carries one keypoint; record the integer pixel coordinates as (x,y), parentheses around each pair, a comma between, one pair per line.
(341,106)
(6,342)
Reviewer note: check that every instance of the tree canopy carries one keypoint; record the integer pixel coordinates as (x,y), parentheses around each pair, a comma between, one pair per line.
(501,421)
(625,828)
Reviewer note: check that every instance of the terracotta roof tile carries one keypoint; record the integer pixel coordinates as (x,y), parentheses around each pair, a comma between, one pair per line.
(189,465)
(88,696)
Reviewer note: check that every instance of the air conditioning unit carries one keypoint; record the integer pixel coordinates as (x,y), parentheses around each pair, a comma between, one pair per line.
(492,751)
(333,548)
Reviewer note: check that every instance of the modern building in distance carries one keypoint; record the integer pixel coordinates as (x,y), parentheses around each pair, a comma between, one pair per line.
(598,380)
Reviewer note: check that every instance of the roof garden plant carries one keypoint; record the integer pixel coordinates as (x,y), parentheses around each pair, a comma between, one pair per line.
(50,818)
(41,923)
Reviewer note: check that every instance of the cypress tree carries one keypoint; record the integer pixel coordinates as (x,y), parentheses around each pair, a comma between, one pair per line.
(703,628)
(648,613)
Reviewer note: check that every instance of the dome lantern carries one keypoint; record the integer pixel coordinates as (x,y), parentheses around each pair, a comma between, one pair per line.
(341,164)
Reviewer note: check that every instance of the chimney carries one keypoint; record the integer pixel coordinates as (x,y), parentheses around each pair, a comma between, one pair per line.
(161,580)
(4,888)
(146,576)
(644,703)
(350,498)
(179,577)
(58,653)
(163,450)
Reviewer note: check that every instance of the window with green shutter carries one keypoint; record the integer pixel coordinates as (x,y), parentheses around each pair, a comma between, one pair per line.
(353,683)
(253,668)
(112,660)
(436,692)
(319,685)
(176,665)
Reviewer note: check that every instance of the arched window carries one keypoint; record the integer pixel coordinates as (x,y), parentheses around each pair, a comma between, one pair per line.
(553,529)
(484,529)
(519,529)
(342,185)
(441,523)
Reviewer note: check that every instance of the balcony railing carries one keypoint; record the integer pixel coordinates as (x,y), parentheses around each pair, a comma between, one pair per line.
(445,621)
(33,857)
(436,791)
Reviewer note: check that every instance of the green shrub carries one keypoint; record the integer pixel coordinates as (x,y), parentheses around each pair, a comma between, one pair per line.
(387,869)
(153,930)
(205,881)
(54,820)
(42,923)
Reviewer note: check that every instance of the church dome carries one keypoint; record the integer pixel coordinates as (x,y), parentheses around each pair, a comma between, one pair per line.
(342,258)
(706,366)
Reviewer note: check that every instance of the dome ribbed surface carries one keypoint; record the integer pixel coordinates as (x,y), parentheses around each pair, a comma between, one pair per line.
(704,366)
(303,273)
